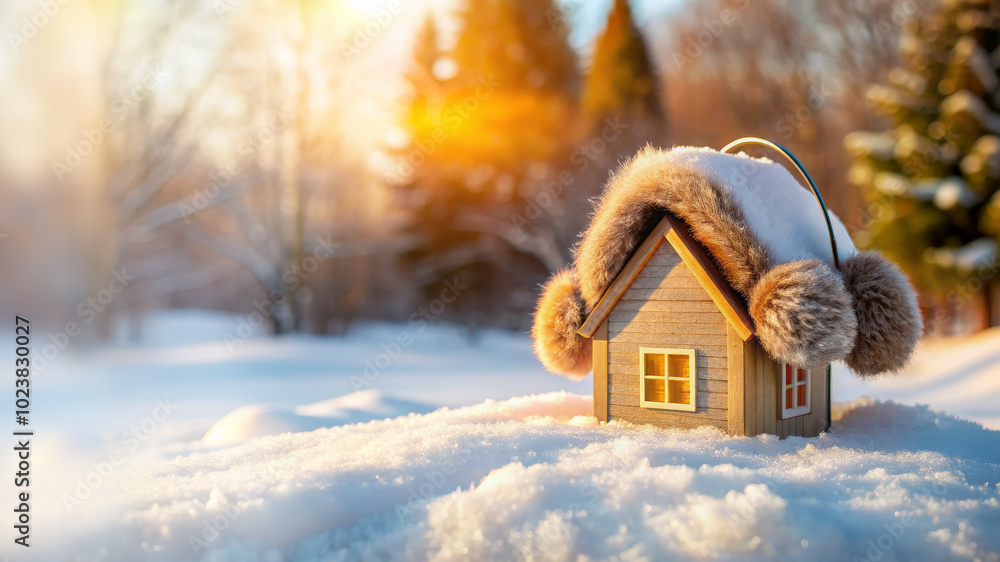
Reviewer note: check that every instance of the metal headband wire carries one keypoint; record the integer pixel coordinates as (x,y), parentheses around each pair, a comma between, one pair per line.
(802,170)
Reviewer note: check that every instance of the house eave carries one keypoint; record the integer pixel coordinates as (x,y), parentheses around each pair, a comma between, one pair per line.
(675,232)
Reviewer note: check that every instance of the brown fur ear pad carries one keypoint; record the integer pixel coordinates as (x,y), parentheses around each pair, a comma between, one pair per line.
(889,323)
(804,314)
(561,311)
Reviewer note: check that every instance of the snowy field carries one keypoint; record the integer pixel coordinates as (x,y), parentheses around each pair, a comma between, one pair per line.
(281,449)
(536,479)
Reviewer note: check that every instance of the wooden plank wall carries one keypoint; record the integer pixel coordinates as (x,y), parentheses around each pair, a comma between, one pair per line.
(737,390)
(600,343)
(815,422)
(762,401)
(666,307)
(738,383)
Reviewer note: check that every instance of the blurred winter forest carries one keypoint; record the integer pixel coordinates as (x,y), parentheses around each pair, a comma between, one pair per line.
(326,162)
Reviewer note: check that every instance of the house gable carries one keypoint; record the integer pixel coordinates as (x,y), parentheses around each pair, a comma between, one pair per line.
(670,296)
(664,307)
(676,234)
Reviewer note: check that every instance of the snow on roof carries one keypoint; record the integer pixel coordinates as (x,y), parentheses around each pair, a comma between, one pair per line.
(783,213)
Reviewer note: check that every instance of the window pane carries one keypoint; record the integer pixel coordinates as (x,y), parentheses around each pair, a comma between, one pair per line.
(654,389)
(788,374)
(680,392)
(654,365)
(789,402)
(801,374)
(802,395)
(680,366)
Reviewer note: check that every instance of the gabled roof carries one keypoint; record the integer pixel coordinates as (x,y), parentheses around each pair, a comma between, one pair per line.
(674,231)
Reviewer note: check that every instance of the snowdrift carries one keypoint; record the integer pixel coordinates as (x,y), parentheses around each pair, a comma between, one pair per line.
(535,478)
(250,422)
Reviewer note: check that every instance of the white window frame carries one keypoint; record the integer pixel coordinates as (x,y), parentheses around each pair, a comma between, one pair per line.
(799,409)
(692,379)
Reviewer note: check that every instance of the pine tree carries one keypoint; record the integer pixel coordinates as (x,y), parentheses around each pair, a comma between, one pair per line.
(621,80)
(480,134)
(511,44)
(422,77)
(934,177)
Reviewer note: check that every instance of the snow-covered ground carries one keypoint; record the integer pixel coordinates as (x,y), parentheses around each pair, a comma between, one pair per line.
(960,376)
(536,478)
(281,384)
(180,446)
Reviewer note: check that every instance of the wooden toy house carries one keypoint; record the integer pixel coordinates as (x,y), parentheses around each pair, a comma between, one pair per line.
(674,346)
(710,289)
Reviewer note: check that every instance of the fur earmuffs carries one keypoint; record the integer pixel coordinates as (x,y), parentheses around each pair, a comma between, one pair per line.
(805,311)
(889,322)
(561,312)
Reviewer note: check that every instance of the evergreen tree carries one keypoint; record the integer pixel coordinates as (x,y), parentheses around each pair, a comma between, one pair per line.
(511,44)
(621,80)
(421,75)
(934,177)
(488,117)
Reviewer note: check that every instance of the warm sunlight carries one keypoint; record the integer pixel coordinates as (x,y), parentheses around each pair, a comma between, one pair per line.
(527,280)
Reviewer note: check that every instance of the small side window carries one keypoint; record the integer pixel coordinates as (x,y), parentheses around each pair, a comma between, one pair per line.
(795,391)
(667,379)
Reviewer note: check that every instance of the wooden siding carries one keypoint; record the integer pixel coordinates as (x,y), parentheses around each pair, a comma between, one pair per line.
(815,422)
(736,347)
(625,278)
(762,402)
(666,307)
(662,303)
(702,277)
(600,343)
(710,278)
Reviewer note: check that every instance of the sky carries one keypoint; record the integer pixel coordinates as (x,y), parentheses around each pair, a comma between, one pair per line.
(65,57)
(587,16)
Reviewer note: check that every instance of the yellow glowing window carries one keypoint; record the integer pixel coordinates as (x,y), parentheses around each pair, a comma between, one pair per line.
(795,391)
(667,379)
